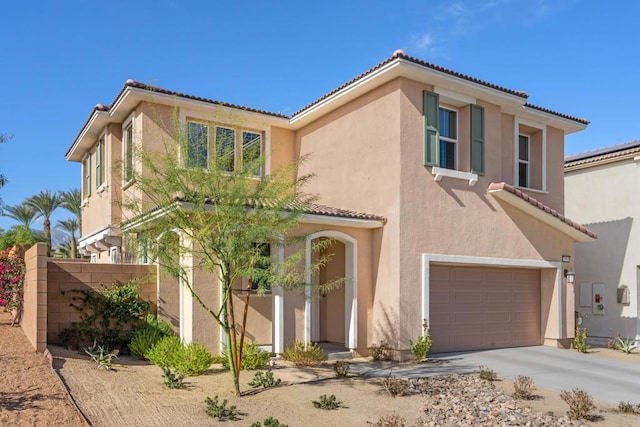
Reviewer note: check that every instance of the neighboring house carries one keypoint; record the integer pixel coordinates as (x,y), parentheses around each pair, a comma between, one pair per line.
(602,190)
(444,191)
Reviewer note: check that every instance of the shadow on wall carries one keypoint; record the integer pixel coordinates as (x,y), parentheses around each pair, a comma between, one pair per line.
(602,261)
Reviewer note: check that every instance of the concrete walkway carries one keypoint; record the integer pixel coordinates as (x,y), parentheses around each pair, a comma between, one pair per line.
(608,380)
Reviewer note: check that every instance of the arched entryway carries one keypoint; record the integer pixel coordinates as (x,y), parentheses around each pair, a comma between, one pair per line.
(333,317)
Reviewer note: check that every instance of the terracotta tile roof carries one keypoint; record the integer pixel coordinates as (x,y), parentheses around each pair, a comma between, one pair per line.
(404,56)
(555,113)
(496,186)
(606,153)
(138,85)
(304,207)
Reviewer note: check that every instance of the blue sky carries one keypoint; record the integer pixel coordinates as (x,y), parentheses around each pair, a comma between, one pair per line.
(61,58)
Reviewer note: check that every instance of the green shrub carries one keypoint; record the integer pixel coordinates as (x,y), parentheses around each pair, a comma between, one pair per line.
(190,360)
(173,380)
(327,402)
(144,339)
(193,360)
(302,354)
(265,380)
(580,340)
(420,349)
(100,356)
(152,321)
(166,352)
(253,357)
(106,316)
(220,411)
(580,404)
(269,422)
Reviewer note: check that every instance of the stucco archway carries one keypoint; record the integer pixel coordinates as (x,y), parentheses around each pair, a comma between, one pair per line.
(312,321)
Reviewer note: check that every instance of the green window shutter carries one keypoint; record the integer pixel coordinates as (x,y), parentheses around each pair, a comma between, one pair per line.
(99,164)
(477,139)
(430,104)
(87,171)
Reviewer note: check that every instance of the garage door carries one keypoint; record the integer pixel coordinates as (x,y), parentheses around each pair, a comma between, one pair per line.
(474,308)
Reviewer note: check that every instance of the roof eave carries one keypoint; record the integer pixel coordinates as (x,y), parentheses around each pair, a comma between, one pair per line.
(400,67)
(541,215)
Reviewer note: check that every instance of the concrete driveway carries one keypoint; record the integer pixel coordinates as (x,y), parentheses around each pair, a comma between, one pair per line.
(608,380)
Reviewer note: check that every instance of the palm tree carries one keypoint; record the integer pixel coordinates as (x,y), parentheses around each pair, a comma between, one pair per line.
(72,201)
(70,226)
(24,213)
(45,202)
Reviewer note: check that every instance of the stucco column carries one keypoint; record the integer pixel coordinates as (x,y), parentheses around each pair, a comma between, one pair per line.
(277,316)
(186,299)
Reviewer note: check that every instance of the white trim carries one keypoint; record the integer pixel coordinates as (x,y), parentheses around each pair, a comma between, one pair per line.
(125,125)
(439,172)
(428,258)
(453,98)
(560,298)
(186,299)
(340,221)
(312,326)
(543,128)
(277,316)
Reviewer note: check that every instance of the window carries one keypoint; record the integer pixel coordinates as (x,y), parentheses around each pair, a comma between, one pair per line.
(251,152)
(448,128)
(441,135)
(197,145)
(127,164)
(99,159)
(523,161)
(87,176)
(94,259)
(225,148)
(114,255)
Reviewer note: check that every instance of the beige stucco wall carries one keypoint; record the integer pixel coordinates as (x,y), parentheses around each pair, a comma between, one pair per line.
(604,199)
(380,171)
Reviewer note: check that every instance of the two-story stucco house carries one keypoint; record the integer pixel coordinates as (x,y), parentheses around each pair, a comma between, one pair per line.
(602,190)
(445,192)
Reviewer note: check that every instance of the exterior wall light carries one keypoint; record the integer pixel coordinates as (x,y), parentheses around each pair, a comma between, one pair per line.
(566,259)
(571,276)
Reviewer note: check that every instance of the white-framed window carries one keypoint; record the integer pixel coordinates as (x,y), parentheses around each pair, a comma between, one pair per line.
(197,149)
(127,152)
(225,140)
(94,259)
(448,129)
(252,151)
(523,160)
(86,172)
(114,255)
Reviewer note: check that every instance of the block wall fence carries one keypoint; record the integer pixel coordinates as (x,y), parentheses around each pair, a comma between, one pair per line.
(47,311)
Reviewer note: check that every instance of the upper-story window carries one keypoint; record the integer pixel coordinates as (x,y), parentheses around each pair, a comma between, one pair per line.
(197,145)
(230,147)
(99,163)
(523,160)
(448,127)
(441,135)
(127,153)
(530,154)
(86,171)
(251,152)
(225,148)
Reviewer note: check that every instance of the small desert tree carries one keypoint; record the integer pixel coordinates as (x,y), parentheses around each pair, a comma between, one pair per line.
(224,220)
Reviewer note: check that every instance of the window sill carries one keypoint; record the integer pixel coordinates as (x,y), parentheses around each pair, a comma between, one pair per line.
(438,173)
(253,292)
(103,187)
(85,202)
(532,190)
(128,184)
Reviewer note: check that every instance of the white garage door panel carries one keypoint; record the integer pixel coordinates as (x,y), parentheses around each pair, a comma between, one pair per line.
(473,308)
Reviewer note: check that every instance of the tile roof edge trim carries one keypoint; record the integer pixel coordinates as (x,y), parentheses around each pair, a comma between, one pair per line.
(539,210)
